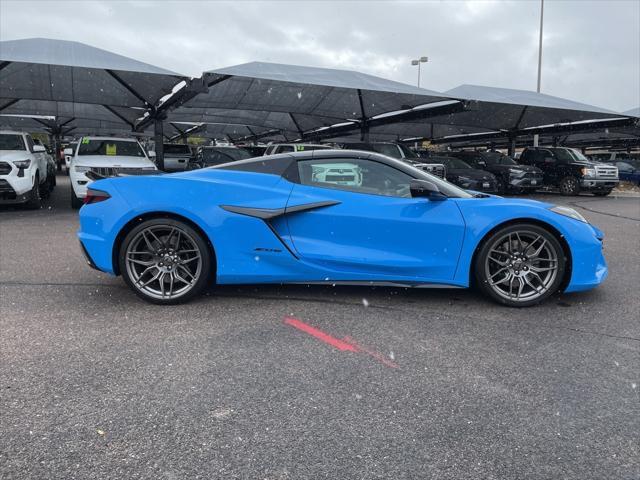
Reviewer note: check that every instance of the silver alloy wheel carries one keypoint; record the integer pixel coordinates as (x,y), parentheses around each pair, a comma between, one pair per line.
(163,261)
(521,265)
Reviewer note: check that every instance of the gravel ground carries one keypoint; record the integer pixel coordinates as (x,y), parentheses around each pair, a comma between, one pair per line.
(95,383)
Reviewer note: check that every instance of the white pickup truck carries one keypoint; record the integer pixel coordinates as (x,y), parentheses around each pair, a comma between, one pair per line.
(26,172)
(106,157)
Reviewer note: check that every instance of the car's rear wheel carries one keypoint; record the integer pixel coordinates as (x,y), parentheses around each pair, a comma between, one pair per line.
(520,265)
(165,261)
(569,186)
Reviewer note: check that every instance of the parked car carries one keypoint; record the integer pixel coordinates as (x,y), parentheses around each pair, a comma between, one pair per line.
(275,148)
(611,157)
(464,175)
(512,177)
(105,157)
(571,171)
(401,152)
(177,157)
(254,150)
(275,221)
(27,173)
(628,172)
(209,156)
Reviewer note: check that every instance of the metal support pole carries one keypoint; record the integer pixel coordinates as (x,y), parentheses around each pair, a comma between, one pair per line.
(535,137)
(364,132)
(158,135)
(512,147)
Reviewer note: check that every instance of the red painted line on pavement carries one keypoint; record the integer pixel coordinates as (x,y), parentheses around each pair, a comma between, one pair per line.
(378,356)
(320,335)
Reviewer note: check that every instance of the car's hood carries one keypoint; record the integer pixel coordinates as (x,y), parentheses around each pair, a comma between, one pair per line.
(472,173)
(14,155)
(111,161)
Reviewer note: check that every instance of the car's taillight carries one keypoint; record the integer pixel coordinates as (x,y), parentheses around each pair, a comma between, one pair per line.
(95,196)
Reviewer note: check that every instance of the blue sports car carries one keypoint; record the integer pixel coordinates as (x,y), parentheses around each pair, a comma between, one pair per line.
(331,217)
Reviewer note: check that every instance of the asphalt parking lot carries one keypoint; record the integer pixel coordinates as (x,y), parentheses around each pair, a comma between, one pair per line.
(291,382)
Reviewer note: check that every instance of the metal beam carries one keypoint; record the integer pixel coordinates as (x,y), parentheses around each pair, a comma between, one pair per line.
(120,116)
(128,87)
(9,103)
(295,122)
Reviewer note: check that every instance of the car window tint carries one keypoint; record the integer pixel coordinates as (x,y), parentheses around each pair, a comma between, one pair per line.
(285,148)
(355,175)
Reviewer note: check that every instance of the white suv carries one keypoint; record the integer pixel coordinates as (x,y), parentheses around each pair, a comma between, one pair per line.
(25,171)
(106,157)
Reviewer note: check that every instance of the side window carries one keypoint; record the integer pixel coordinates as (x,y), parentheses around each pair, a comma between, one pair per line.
(269,150)
(355,175)
(284,149)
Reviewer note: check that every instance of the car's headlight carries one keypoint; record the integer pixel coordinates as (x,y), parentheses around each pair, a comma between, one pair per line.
(464,179)
(22,163)
(81,168)
(568,212)
(588,172)
(515,170)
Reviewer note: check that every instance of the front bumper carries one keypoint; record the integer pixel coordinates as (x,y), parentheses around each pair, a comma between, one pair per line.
(15,187)
(526,182)
(598,184)
(589,267)
(477,185)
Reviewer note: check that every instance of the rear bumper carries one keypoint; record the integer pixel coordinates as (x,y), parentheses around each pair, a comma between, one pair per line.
(87,257)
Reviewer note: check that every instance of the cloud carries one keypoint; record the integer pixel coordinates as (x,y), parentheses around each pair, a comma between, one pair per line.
(590,55)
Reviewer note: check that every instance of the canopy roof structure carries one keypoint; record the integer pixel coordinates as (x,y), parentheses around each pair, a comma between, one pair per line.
(84,89)
(298,99)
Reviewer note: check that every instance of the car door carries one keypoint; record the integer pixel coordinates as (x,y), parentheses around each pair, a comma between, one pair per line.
(369,227)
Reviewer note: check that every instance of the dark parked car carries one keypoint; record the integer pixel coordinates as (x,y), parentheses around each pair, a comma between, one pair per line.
(511,176)
(401,152)
(571,171)
(209,156)
(628,172)
(254,150)
(464,175)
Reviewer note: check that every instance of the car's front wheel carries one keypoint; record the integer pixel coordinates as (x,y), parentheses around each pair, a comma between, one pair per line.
(165,261)
(520,265)
(569,186)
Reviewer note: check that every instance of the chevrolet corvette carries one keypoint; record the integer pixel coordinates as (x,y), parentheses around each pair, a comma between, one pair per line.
(331,217)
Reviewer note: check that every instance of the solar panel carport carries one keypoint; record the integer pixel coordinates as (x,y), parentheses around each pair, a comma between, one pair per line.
(80,85)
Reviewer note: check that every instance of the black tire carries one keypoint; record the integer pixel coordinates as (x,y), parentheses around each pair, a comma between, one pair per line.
(76,203)
(501,186)
(536,291)
(569,186)
(201,273)
(47,187)
(602,193)
(35,200)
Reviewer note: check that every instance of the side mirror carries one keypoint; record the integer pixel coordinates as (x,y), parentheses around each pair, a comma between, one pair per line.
(426,189)
(151,154)
(38,149)
(68,152)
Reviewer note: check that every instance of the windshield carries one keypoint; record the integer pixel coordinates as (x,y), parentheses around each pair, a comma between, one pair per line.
(408,153)
(455,164)
(177,149)
(577,155)
(107,147)
(497,158)
(388,149)
(11,142)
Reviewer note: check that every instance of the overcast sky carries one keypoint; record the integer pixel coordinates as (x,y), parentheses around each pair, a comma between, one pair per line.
(591,48)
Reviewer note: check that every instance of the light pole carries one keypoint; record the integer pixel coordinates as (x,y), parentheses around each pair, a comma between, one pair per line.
(418,62)
(535,137)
